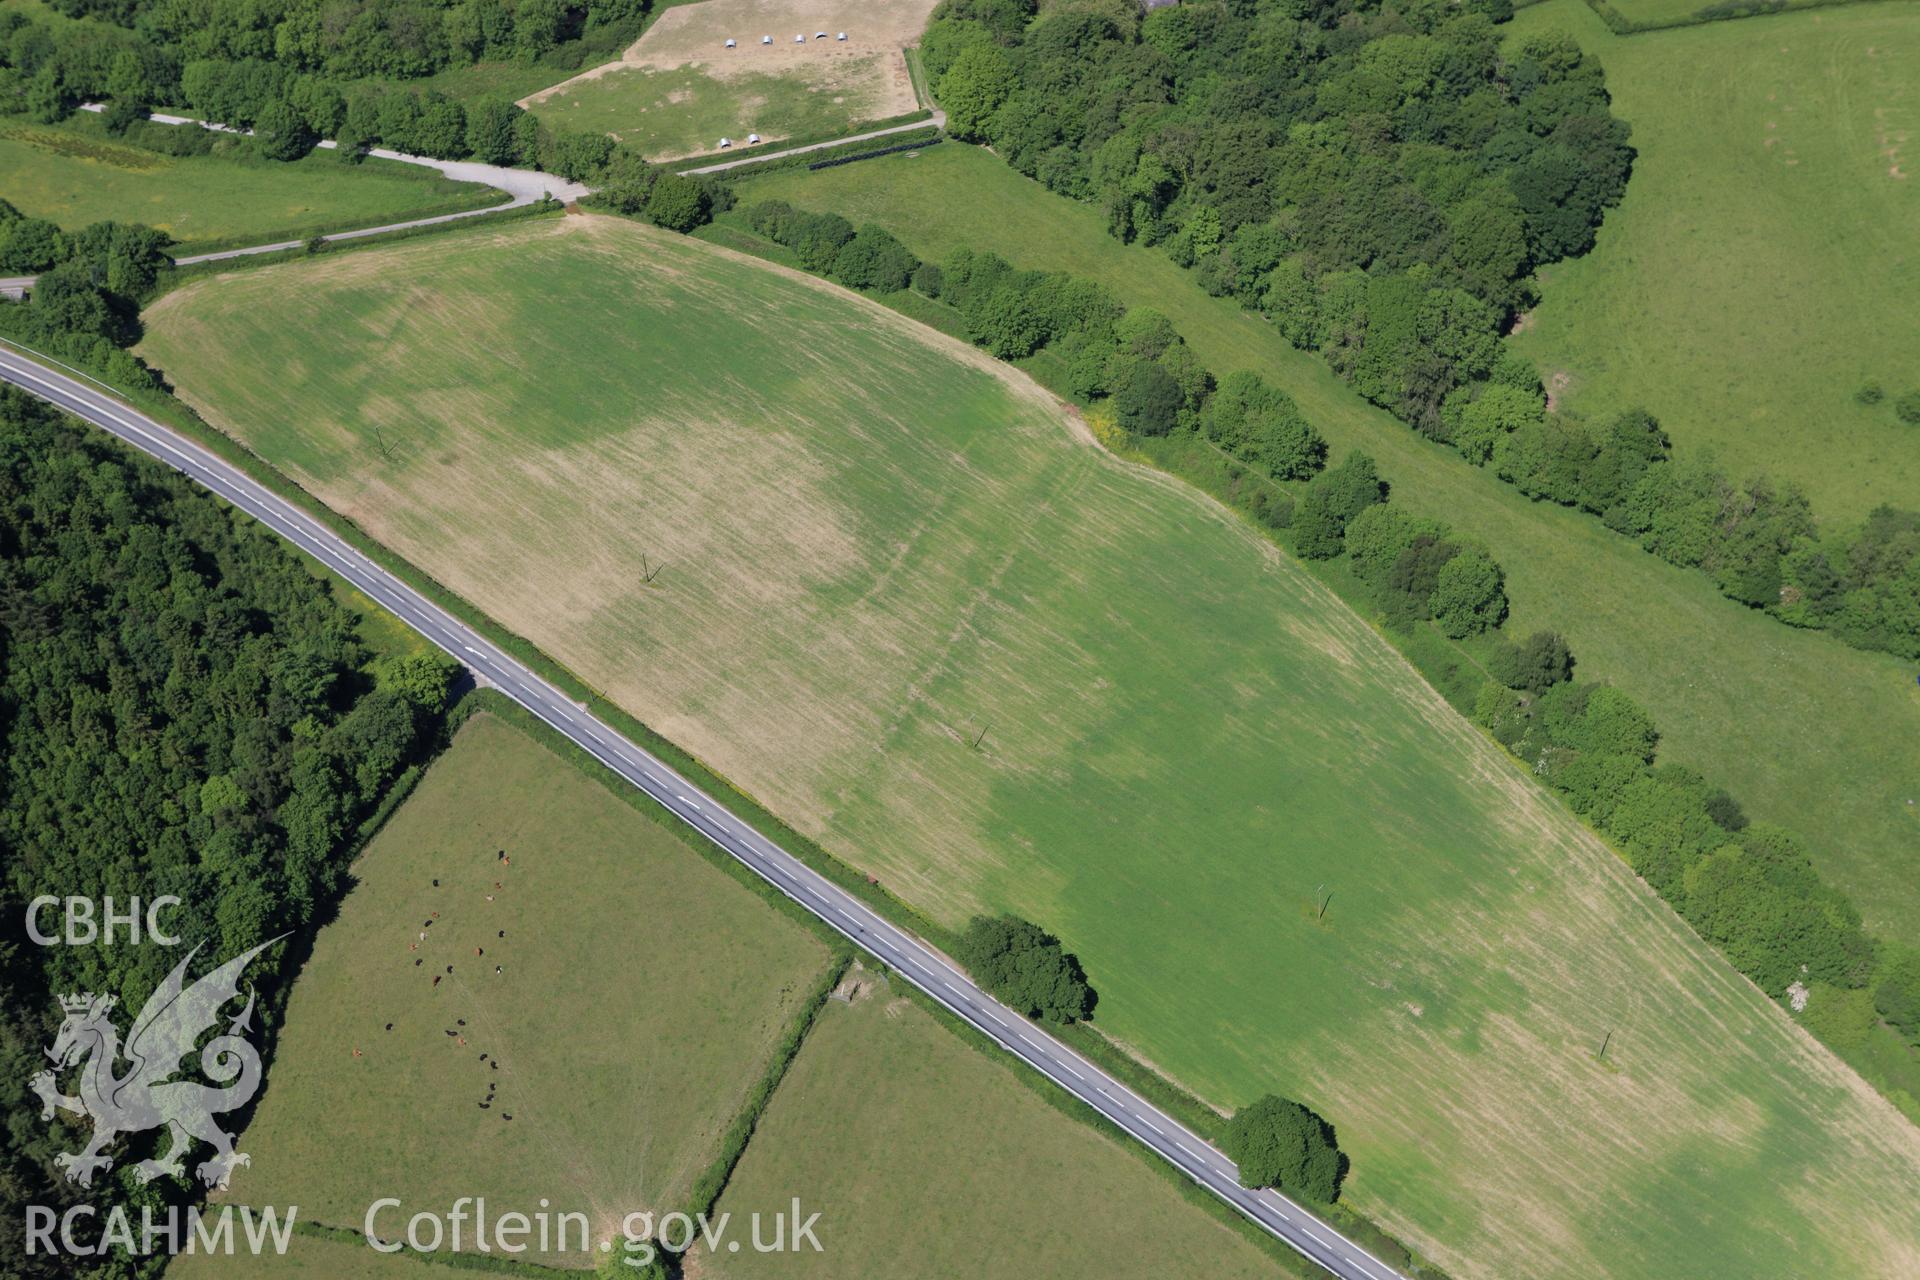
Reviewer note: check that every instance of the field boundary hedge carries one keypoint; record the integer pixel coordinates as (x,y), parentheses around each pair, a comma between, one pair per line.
(457,1260)
(1723,11)
(808,159)
(708,1187)
(835,161)
(803,139)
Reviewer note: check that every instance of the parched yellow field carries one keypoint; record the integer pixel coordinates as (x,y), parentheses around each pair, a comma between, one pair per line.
(879,547)
(679,89)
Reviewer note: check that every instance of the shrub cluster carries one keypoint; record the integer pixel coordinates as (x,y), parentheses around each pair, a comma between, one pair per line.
(827,244)
(85,303)
(1026,967)
(1418,569)
(1758,540)
(1750,890)
(631,186)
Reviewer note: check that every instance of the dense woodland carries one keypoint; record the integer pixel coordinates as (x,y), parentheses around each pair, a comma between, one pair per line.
(160,45)
(185,710)
(1386,173)
(1380,180)
(302,71)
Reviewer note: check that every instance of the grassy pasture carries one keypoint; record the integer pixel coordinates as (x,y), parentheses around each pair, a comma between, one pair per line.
(310,1258)
(915,1148)
(878,544)
(1807,732)
(668,114)
(677,91)
(640,993)
(77,174)
(1765,263)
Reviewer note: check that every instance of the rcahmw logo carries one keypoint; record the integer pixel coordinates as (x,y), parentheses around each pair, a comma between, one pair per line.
(144,1097)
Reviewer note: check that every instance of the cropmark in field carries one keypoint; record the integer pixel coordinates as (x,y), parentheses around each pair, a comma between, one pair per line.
(891,592)
(1809,733)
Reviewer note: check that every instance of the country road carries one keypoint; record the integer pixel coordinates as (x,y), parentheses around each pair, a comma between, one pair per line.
(906,955)
(521,187)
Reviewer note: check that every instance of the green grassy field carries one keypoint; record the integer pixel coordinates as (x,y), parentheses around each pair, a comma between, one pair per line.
(639,992)
(1807,732)
(1765,263)
(668,114)
(916,1148)
(878,544)
(76,174)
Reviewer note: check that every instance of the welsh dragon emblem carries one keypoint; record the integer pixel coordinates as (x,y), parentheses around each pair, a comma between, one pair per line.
(172,1021)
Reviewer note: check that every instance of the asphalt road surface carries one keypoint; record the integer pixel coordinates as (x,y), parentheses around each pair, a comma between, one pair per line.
(906,955)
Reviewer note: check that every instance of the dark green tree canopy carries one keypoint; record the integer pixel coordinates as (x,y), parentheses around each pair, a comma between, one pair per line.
(184,709)
(1335,497)
(1024,965)
(1279,1143)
